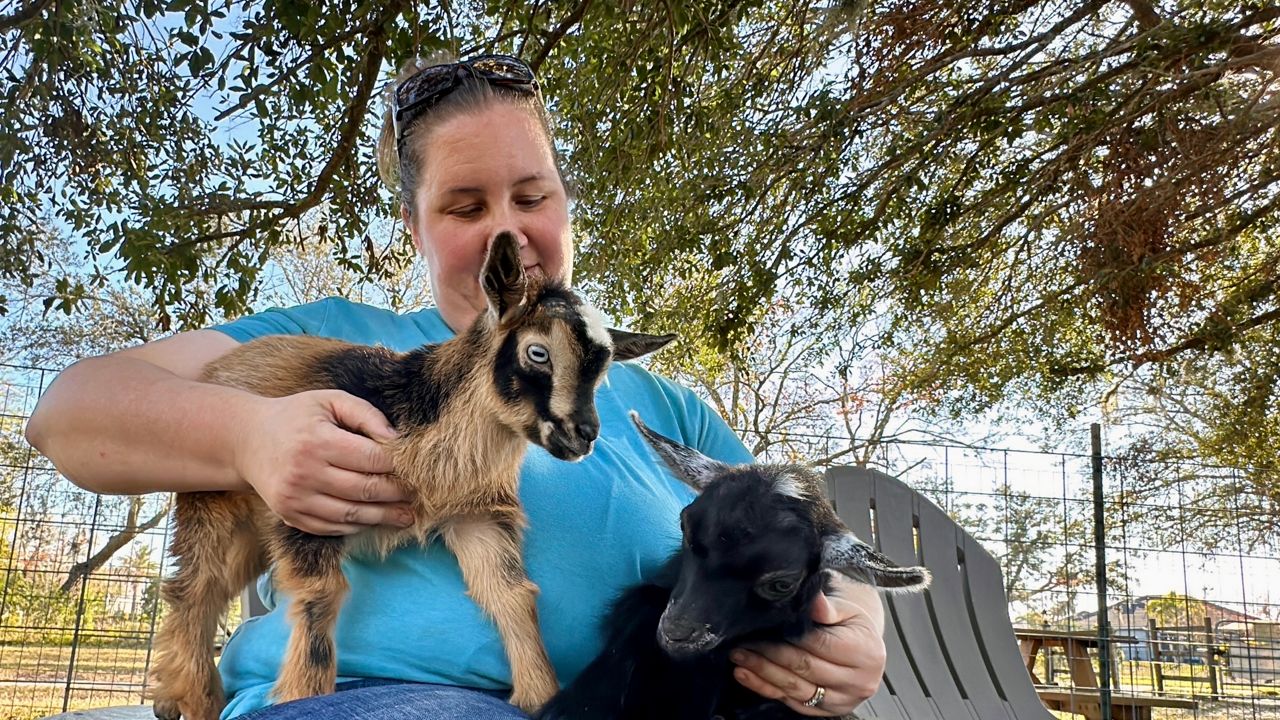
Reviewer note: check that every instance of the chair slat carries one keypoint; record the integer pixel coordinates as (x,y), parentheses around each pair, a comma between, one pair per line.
(895,531)
(995,633)
(950,612)
(881,706)
(853,492)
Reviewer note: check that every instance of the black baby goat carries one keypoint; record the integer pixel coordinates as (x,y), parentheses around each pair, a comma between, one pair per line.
(759,541)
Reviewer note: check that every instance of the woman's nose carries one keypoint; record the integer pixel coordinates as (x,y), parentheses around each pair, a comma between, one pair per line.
(507,221)
(522,241)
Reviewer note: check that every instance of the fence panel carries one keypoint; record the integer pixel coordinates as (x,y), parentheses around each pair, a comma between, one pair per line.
(75,630)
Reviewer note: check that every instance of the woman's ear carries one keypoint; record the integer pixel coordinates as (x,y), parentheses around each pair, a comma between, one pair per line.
(407,218)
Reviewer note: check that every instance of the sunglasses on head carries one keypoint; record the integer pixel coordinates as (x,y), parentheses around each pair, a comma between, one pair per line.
(429,85)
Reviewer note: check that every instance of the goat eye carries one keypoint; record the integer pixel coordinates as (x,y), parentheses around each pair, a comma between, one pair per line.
(538,354)
(779,587)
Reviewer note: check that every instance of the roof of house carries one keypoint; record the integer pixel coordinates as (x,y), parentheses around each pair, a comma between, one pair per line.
(1139,604)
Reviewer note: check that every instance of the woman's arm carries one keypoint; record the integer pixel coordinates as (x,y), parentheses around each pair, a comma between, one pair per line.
(139,421)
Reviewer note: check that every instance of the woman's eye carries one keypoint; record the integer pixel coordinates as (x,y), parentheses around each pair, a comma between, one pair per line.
(466,212)
(531,201)
(537,354)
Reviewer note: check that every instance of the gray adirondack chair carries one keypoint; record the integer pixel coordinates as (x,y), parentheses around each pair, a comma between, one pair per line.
(951,650)
(952,654)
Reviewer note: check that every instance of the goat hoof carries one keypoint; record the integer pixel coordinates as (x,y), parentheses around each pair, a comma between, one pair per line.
(204,707)
(530,700)
(173,710)
(166,710)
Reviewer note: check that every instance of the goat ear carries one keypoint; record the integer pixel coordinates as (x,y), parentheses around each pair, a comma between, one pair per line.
(503,278)
(848,555)
(629,345)
(690,466)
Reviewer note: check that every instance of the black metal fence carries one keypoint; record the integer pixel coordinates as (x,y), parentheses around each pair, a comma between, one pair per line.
(1189,552)
(78,602)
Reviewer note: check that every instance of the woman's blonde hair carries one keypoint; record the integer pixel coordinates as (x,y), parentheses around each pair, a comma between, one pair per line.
(400,167)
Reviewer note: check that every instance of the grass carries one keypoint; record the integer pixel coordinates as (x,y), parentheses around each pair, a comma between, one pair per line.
(1193,680)
(94,665)
(33,678)
(1237,701)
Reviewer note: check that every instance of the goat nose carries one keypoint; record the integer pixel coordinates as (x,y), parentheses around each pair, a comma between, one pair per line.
(680,631)
(589,430)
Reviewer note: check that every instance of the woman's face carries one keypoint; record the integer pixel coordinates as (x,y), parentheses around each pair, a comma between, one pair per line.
(484,173)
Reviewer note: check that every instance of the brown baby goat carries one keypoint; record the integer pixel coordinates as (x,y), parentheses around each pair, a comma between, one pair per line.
(526,370)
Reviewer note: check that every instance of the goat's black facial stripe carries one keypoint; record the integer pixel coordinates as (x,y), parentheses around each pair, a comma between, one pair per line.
(594,360)
(540,386)
(506,369)
(514,383)
(595,356)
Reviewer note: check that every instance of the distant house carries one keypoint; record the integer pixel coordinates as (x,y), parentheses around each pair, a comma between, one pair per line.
(1130,624)
(1132,614)
(126,593)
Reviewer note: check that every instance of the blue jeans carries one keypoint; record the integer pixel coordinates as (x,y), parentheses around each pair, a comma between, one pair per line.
(394,700)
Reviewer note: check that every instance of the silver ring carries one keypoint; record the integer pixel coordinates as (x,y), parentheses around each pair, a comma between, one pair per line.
(816,700)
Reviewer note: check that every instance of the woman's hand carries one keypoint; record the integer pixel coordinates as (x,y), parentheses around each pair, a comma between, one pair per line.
(844,654)
(318,461)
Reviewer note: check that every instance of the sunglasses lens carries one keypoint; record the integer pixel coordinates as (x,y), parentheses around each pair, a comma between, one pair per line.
(503,66)
(426,82)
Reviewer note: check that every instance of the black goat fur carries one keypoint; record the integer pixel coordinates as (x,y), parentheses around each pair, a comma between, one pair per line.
(635,679)
(759,544)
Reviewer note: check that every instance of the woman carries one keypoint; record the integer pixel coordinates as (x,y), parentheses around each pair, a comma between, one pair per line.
(468,148)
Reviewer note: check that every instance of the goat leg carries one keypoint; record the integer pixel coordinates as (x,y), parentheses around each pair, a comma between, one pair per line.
(488,551)
(219,551)
(309,571)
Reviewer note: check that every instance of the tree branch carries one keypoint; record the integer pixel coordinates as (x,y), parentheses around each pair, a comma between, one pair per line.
(573,18)
(131,530)
(374,53)
(290,72)
(24,15)
(1197,342)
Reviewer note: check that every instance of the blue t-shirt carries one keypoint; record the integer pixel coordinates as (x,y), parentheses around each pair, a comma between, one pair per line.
(596,527)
